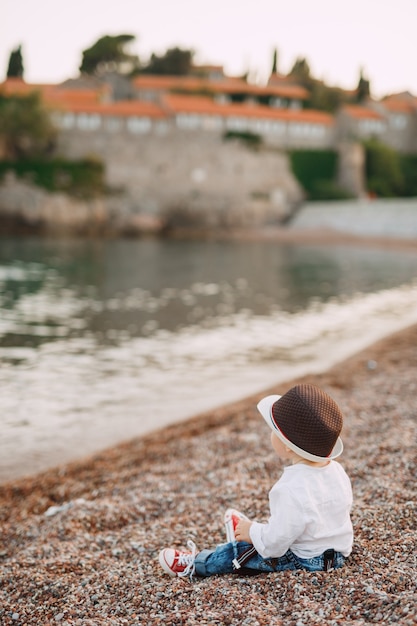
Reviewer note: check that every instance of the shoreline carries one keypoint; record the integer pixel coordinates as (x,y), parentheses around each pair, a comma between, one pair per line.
(281,234)
(306,236)
(23,461)
(44,447)
(214,418)
(79,543)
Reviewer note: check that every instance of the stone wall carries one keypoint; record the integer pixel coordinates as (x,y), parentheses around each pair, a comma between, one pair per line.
(172,180)
(26,207)
(192,178)
(156,182)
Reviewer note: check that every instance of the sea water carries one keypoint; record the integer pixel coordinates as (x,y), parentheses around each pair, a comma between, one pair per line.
(101,341)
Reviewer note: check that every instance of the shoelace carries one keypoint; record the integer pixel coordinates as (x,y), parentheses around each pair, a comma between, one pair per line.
(188,560)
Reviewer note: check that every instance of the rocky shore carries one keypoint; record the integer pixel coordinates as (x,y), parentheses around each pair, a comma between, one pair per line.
(79,543)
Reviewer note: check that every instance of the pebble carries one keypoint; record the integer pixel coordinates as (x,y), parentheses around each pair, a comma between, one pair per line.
(81,547)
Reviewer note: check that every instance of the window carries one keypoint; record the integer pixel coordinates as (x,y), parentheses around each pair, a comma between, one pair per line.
(257,126)
(67,120)
(189,121)
(318,130)
(222,98)
(237,123)
(371,126)
(139,124)
(295,129)
(278,128)
(302,129)
(399,122)
(88,121)
(265,126)
(212,122)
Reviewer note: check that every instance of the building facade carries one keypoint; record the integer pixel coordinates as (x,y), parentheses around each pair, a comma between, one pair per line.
(215,103)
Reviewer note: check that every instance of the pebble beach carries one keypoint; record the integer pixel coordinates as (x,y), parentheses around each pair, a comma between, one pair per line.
(80,543)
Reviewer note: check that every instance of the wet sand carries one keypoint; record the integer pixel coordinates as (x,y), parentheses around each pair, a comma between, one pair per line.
(79,543)
(307,236)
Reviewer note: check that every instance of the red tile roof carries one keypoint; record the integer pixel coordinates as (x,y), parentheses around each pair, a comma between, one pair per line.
(52,94)
(17,86)
(123,108)
(228,85)
(67,96)
(401,103)
(293,92)
(157,82)
(206,106)
(89,101)
(209,67)
(361,112)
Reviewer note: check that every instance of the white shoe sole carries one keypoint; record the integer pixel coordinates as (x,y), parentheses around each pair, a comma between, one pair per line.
(165,565)
(228,522)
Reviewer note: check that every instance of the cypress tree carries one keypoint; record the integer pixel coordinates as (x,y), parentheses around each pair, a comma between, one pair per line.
(363,89)
(15,68)
(274,62)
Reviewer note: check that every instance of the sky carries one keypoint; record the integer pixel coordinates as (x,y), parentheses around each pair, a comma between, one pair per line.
(336,38)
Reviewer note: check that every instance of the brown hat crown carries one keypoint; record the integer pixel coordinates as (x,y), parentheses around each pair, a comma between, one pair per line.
(309,418)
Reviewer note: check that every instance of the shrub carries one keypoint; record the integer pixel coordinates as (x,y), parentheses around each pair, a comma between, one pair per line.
(328,190)
(83,178)
(26,130)
(383,170)
(316,171)
(250,139)
(409,169)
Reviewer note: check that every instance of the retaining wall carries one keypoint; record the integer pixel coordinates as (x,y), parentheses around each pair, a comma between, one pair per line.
(394,217)
(175,180)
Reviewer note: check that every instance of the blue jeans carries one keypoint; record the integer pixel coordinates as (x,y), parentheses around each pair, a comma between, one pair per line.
(220,561)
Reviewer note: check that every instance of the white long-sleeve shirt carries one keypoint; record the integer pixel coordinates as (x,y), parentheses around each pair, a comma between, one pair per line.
(310,513)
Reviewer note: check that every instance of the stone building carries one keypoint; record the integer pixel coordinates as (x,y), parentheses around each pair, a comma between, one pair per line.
(392,121)
(219,104)
(162,141)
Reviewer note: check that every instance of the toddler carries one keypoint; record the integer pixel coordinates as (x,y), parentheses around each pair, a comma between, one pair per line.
(309,525)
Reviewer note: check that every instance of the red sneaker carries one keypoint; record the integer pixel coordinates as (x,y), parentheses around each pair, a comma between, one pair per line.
(178,562)
(231,518)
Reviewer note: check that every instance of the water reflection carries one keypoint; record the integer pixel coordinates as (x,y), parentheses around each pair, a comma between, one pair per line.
(117,289)
(97,336)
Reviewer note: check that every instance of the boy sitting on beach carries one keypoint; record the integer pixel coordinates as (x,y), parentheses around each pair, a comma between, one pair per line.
(309,526)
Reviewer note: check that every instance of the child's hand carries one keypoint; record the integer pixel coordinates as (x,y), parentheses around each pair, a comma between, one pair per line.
(242,531)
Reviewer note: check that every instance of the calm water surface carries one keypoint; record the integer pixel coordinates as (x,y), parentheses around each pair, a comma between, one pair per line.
(104,340)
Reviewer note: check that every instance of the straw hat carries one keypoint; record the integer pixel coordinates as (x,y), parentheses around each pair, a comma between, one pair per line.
(306,420)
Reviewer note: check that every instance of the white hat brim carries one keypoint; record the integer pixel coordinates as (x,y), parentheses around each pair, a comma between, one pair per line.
(265,409)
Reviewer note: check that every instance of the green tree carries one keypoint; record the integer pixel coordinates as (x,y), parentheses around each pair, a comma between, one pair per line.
(321,96)
(409,170)
(15,68)
(363,90)
(301,72)
(25,126)
(108,54)
(274,69)
(325,98)
(384,176)
(175,62)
